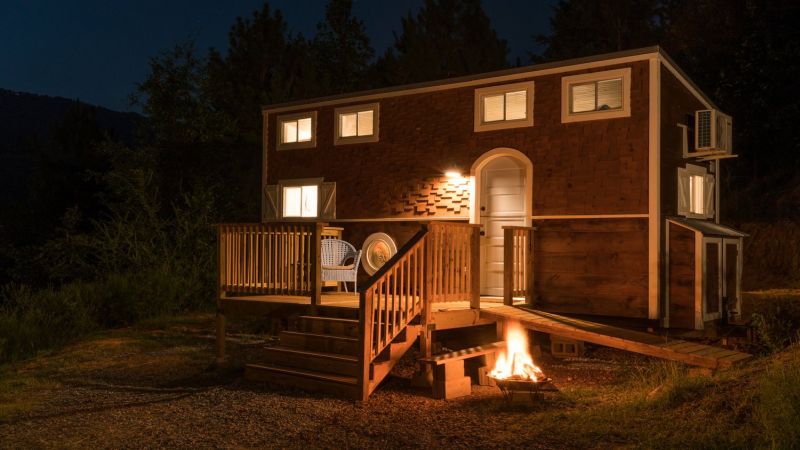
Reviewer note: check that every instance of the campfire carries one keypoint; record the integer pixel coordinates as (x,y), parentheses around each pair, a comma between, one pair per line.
(514,371)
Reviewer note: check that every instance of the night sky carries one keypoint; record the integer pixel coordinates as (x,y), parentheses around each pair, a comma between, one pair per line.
(97,50)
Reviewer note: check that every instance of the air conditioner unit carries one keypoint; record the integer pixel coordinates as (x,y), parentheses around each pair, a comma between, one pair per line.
(713,131)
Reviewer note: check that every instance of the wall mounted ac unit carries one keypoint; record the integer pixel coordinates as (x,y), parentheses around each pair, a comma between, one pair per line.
(713,131)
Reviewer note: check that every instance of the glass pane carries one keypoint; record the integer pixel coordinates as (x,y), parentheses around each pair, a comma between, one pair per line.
(304,130)
(493,108)
(609,94)
(365,123)
(348,125)
(582,97)
(292,197)
(696,198)
(289,132)
(309,208)
(516,106)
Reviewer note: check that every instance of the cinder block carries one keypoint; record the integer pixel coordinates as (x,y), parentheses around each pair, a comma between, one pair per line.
(565,348)
(455,388)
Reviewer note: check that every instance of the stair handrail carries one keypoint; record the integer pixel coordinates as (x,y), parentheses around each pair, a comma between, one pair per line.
(384,284)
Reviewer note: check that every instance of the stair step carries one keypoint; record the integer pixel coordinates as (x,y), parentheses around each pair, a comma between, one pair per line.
(327,343)
(329,325)
(332,363)
(303,379)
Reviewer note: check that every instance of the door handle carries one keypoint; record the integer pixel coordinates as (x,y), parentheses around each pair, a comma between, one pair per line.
(483,233)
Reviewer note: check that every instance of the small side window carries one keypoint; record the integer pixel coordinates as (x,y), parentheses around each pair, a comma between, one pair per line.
(356,124)
(598,95)
(297,131)
(505,106)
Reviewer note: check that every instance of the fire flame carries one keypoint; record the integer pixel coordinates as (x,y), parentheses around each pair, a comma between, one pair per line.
(515,362)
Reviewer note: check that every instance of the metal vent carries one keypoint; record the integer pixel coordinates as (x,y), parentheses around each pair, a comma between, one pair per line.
(704,129)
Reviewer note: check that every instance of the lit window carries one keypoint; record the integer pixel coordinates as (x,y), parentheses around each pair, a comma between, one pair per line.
(300,201)
(297,131)
(505,106)
(597,95)
(602,95)
(695,192)
(696,197)
(357,124)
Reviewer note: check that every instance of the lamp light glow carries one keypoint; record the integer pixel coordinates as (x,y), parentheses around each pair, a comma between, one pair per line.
(452,174)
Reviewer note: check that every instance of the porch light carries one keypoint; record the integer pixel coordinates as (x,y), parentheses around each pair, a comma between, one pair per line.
(453,174)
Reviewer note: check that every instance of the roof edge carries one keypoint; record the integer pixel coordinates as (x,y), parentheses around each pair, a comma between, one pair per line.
(481,76)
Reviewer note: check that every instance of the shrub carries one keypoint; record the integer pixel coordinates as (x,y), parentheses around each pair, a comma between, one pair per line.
(776,321)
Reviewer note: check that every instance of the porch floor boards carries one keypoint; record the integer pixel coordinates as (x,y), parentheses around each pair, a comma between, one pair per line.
(634,341)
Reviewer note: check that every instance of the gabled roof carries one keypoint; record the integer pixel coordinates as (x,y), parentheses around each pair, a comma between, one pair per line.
(497,77)
(708,228)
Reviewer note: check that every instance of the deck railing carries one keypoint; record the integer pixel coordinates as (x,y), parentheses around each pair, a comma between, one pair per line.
(270,258)
(518,264)
(454,256)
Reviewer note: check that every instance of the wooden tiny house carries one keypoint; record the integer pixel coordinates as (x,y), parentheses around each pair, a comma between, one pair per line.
(584,188)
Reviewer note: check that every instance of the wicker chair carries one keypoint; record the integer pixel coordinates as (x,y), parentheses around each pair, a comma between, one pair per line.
(336,264)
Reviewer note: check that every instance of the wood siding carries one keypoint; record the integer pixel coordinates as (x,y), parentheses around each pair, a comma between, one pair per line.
(676,104)
(592,167)
(682,260)
(592,267)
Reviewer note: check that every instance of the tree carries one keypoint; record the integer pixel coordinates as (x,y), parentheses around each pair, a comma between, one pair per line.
(341,50)
(447,38)
(591,27)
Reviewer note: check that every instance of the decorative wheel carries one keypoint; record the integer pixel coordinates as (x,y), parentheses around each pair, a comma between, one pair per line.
(378,248)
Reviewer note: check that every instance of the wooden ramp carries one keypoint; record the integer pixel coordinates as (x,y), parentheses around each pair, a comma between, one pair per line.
(615,337)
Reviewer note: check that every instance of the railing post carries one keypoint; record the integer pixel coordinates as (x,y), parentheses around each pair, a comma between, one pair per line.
(475,268)
(365,325)
(221,273)
(316,266)
(508,266)
(425,341)
(531,295)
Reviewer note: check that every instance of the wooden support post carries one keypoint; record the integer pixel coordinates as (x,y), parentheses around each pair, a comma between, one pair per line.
(508,266)
(316,265)
(531,295)
(365,325)
(475,268)
(220,336)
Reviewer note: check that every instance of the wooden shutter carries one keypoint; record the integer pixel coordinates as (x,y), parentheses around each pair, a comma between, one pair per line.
(269,208)
(683,192)
(708,194)
(327,204)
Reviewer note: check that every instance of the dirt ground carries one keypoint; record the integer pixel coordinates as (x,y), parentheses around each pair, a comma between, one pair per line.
(155,386)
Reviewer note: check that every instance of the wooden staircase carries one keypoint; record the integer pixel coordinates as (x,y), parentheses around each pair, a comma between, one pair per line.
(323,356)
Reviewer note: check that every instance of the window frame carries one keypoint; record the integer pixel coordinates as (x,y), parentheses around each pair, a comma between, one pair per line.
(481,93)
(376,120)
(298,182)
(594,77)
(689,171)
(280,145)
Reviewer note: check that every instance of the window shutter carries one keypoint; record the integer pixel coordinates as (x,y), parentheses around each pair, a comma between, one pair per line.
(327,204)
(683,192)
(270,206)
(708,190)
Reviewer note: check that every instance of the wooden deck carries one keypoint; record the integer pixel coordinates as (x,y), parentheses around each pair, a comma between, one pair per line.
(615,337)
(350,300)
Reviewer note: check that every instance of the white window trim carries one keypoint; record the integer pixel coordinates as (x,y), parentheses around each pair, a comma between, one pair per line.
(480,93)
(376,120)
(566,82)
(708,316)
(694,170)
(294,183)
(280,145)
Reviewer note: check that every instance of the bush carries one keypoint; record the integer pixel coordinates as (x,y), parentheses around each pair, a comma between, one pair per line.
(776,321)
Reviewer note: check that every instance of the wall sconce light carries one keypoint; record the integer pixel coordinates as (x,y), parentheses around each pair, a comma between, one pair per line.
(453,174)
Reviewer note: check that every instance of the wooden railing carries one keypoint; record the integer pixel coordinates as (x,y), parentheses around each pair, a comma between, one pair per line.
(270,258)
(518,264)
(453,258)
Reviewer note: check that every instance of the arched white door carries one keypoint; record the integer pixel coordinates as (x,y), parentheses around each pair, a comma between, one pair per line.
(502,203)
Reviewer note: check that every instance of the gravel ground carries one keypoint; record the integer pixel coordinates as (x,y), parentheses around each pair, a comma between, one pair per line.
(154,387)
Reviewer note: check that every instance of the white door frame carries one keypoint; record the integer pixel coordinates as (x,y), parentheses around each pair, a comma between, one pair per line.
(475,181)
(476,172)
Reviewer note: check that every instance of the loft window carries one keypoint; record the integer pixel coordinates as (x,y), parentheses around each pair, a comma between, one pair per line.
(300,201)
(297,130)
(356,124)
(695,192)
(505,106)
(598,95)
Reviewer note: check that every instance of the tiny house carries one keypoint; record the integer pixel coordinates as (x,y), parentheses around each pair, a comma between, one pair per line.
(586,187)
